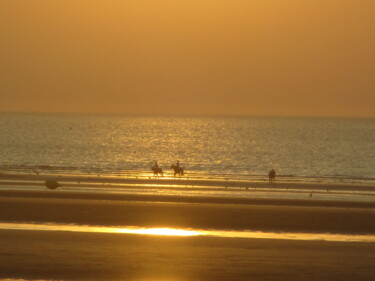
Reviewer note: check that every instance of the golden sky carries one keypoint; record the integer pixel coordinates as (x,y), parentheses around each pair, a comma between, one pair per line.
(255,57)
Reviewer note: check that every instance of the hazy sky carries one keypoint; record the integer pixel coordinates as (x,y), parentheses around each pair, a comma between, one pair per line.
(256,57)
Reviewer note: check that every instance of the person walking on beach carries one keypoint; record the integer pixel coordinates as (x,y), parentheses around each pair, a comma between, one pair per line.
(272,175)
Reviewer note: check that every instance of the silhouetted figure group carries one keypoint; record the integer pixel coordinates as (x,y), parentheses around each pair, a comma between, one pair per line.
(178,170)
(272,175)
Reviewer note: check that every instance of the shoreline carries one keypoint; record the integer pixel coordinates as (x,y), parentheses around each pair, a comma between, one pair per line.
(179,181)
(190,191)
(147,178)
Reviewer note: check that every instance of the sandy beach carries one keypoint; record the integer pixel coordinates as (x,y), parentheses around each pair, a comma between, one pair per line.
(76,256)
(148,179)
(187,140)
(184,212)
(57,255)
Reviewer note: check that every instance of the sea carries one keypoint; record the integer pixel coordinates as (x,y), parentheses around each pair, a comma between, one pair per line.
(246,147)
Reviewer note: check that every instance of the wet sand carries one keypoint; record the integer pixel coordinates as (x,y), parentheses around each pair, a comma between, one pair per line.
(78,256)
(185,181)
(202,213)
(99,256)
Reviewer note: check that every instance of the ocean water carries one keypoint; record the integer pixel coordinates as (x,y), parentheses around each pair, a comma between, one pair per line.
(308,149)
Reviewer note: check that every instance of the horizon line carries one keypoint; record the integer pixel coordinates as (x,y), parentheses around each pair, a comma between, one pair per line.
(186,114)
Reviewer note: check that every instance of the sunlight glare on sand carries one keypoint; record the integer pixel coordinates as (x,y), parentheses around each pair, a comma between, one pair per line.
(159,231)
(165,231)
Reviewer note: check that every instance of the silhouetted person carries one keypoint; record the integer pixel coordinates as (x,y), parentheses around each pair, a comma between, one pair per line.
(272,175)
(156,170)
(177,169)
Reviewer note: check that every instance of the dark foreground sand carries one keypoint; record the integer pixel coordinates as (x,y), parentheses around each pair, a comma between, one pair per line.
(102,256)
(187,212)
(89,256)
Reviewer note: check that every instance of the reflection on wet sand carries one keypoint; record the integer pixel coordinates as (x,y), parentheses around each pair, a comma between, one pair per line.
(190,232)
(157,231)
(203,186)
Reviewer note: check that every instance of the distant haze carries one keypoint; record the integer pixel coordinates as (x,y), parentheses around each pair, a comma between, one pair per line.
(258,57)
